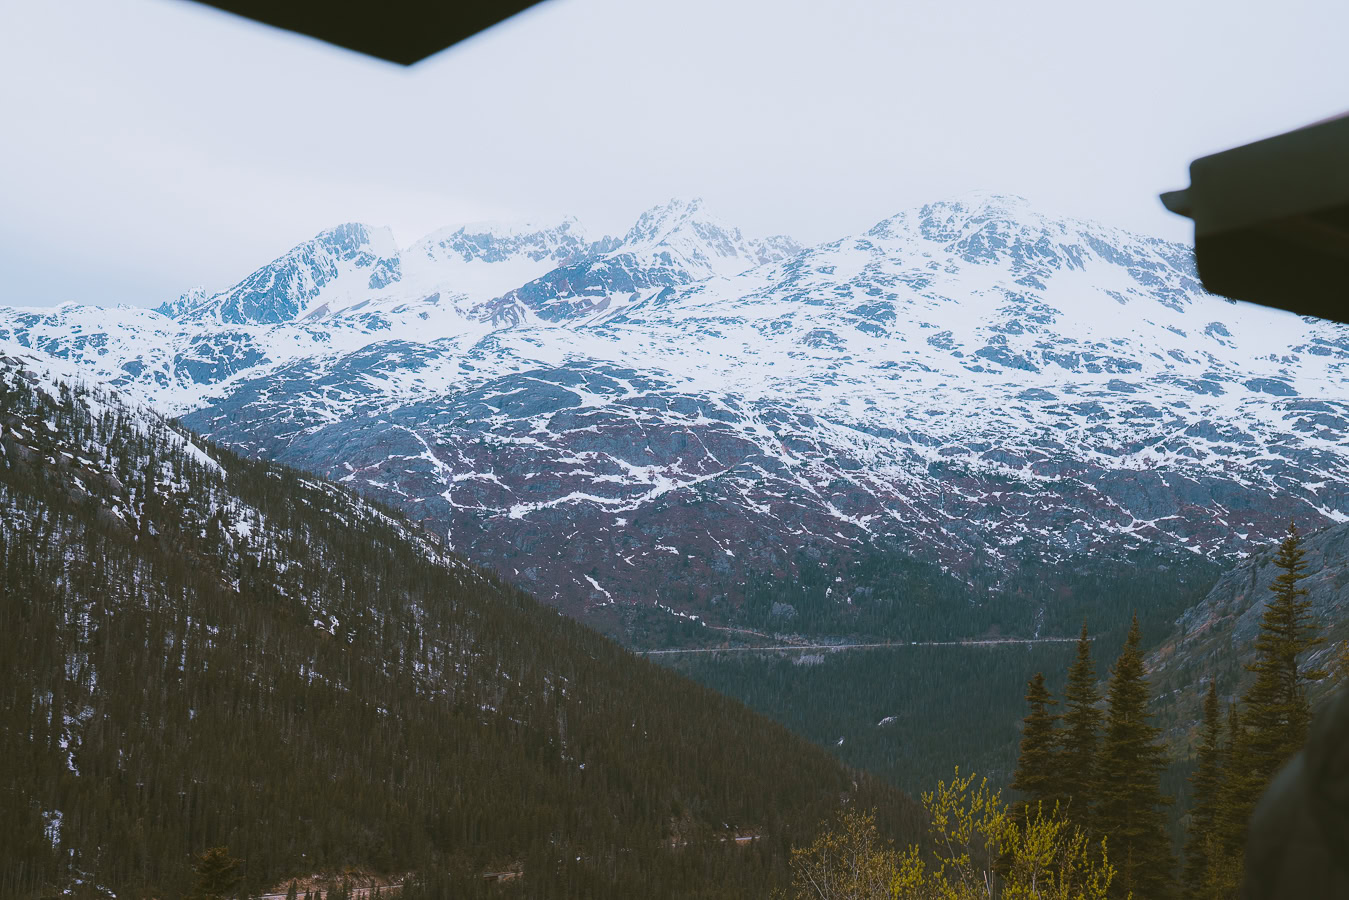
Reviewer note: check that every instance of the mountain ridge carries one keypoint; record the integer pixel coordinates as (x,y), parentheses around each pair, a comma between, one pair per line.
(969,379)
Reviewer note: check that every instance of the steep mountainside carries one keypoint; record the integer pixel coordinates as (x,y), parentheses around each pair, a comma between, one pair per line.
(202,649)
(1215,637)
(670,419)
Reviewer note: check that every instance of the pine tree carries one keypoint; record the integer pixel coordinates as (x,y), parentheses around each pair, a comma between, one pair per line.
(1207,780)
(1036,776)
(1129,809)
(1228,823)
(1225,851)
(1080,737)
(1276,714)
(217,874)
(293,891)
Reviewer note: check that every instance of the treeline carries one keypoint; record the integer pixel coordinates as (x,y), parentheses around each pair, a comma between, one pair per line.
(203,650)
(882,590)
(1103,769)
(1089,821)
(905,713)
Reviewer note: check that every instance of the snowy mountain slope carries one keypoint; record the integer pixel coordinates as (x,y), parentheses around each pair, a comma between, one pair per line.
(971,380)
(349,287)
(486,259)
(674,244)
(341,262)
(89,441)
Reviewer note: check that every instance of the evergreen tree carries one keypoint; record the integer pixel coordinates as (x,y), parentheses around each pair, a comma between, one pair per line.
(1228,823)
(292,891)
(1223,854)
(1080,738)
(1129,809)
(1207,780)
(217,874)
(1036,777)
(1276,714)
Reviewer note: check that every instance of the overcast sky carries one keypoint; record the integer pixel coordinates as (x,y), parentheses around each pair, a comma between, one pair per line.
(152,145)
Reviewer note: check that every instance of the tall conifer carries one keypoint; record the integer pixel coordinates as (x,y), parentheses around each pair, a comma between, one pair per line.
(217,875)
(1276,713)
(1036,776)
(1228,823)
(1129,809)
(1080,738)
(1201,835)
(1226,850)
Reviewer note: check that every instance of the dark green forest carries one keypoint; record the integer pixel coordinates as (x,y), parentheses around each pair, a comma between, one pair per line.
(973,691)
(882,703)
(883,591)
(203,650)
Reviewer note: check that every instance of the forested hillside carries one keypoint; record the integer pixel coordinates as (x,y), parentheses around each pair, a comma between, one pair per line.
(908,712)
(205,650)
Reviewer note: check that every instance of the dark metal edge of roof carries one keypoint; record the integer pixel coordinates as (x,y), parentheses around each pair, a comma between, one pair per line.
(399,31)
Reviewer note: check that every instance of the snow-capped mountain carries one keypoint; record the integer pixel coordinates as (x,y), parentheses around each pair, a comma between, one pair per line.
(343,262)
(485,260)
(670,245)
(658,417)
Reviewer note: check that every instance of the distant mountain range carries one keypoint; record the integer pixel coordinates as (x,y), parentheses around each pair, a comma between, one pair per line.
(660,419)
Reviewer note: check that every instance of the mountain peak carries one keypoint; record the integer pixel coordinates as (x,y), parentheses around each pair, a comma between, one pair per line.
(658,221)
(188,300)
(687,229)
(496,241)
(956,214)
(281,290)
(675,243)
(988,201)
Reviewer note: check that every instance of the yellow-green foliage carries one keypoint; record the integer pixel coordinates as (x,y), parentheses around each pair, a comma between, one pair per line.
(980,851)
(846,862)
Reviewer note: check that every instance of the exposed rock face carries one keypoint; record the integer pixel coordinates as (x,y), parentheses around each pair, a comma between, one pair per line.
(1215,638)
(659,417)
(1232,610)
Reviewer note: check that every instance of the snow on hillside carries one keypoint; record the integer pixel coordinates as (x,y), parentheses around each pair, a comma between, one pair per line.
(484,259)
(89,431)
(965,377)
(674,244)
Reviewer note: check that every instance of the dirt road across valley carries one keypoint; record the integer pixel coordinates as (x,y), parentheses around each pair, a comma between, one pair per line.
(879,645)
